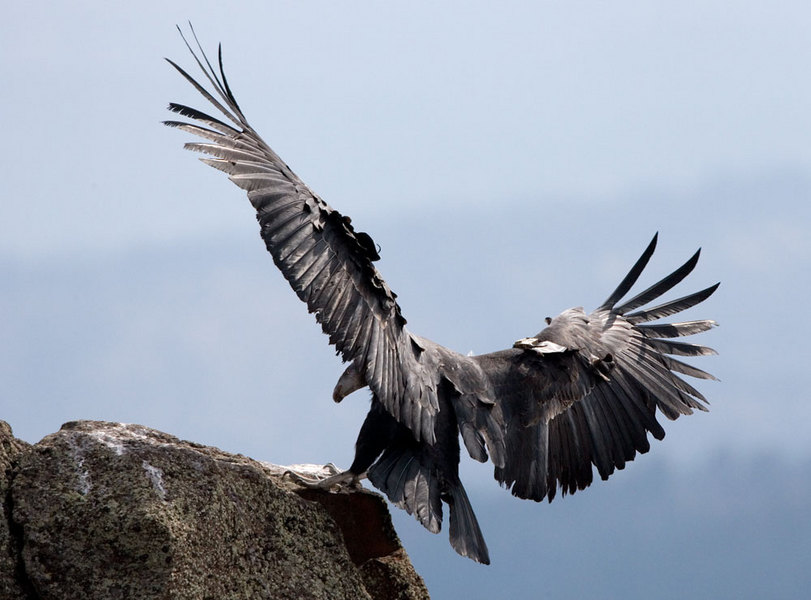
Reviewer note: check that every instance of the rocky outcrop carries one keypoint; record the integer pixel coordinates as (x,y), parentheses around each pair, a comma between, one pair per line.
(107,510)
(12,580)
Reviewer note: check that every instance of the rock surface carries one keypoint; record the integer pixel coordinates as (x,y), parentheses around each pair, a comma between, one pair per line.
(108,511)
(12,582)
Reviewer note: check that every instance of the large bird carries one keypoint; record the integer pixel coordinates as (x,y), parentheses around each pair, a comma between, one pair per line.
(583,391)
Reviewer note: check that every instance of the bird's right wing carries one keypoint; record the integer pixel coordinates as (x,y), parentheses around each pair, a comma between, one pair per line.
(327,263)
(585,390)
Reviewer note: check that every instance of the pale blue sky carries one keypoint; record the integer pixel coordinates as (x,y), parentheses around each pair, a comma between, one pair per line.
(379,107)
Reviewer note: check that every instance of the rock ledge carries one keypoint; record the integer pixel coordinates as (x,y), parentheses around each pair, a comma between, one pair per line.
(108,510)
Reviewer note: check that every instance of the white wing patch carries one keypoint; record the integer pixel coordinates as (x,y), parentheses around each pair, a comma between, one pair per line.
(545,347)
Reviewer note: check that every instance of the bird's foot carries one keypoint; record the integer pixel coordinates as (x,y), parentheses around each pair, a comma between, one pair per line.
(318,480)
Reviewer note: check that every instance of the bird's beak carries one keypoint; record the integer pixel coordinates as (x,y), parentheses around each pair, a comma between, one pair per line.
(350,381)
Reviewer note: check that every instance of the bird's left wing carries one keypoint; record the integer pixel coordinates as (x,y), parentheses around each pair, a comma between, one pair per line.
(586,389)
(327,263)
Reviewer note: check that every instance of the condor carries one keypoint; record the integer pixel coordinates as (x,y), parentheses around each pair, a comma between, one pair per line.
(582,392)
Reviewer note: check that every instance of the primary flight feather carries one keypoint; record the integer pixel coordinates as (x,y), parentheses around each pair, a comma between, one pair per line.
(582,392)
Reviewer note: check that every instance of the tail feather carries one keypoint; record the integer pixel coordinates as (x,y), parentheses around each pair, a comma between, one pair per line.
(466,537)
(409,485)
(415,487)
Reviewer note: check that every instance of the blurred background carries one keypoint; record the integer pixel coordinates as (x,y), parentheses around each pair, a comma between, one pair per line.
(511,160)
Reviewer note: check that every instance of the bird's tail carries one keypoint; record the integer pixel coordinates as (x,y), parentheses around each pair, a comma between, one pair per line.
(409,484)
(410,481)
(466,537)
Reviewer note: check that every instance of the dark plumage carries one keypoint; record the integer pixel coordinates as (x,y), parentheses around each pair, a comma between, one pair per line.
(581,392)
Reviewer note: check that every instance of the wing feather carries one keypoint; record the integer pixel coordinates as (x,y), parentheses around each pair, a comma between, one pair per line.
(308,262)
(625,430)
(600,432)
(318,271)
(672,307)
(679,348)
(685,369)
(672,330)
(661,287)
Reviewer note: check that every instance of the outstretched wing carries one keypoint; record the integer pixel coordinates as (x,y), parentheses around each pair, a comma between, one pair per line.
(327,263)
(584,391)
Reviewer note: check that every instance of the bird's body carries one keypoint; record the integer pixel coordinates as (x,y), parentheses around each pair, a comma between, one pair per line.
(583,391)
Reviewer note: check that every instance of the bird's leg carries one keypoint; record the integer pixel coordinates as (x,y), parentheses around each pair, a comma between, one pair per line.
(318,481)
(314,478)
